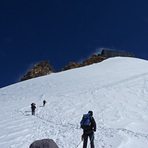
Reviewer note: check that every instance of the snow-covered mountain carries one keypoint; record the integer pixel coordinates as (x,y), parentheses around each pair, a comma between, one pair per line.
(116,90)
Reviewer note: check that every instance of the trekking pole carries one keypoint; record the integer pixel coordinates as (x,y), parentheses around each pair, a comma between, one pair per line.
(78,144)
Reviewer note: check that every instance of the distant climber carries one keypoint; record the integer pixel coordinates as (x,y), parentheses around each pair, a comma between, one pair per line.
(44,102)
(88,125)
(33,107)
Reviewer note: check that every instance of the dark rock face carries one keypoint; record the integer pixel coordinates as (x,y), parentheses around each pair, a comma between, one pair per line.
(40,69)
(111,53)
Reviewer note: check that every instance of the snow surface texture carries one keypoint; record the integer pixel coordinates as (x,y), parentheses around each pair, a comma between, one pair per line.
(116,90)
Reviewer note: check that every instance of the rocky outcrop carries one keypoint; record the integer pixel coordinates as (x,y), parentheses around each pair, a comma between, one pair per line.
(40,69)
(111,53)
(72,65)
(93,59)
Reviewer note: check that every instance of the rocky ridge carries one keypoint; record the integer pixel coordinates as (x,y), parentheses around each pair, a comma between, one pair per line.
(44,68)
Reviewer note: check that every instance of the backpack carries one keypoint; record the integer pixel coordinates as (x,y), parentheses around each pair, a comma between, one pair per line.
(86,121)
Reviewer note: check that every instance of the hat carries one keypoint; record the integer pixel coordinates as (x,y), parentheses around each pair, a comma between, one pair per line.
(91,112)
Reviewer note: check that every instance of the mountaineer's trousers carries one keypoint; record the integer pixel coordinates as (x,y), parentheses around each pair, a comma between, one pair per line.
(91,138)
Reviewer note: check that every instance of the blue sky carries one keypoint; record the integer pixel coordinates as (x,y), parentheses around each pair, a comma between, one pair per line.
(62,31)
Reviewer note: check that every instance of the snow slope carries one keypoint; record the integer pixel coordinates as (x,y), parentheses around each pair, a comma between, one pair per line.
(116,90)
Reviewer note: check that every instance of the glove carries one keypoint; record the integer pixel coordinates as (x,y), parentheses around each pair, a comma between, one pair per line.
(82,137)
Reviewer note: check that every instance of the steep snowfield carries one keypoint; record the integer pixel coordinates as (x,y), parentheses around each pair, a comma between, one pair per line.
(116,90)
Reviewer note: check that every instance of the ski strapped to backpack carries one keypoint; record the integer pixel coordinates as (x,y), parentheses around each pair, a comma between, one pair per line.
(86,121)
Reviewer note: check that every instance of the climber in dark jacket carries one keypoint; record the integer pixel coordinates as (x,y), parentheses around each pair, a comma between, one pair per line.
(33,107)
(44,102)
(89,132)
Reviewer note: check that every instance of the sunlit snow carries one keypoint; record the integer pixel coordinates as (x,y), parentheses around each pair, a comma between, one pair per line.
(116,90)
